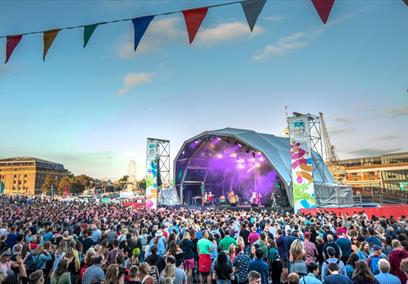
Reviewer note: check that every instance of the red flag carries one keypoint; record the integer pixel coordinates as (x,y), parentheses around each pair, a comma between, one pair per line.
(12,42)
(66,192)
(323,7)
(193,19)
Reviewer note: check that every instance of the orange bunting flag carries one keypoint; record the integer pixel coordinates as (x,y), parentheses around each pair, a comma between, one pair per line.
(12,42)
(323,8)
(49,37)
(193,19)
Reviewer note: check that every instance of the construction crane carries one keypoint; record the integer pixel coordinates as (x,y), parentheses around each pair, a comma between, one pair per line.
(329,149)
(332,160)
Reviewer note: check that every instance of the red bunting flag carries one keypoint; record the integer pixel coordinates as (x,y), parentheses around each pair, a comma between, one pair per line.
(12,42)
(49,37)
(193,19)
(323,7)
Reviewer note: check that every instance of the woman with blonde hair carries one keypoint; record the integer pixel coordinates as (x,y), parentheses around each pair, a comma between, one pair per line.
(187,246)
(112,275)
(144,274)
(59,254)
(296,258)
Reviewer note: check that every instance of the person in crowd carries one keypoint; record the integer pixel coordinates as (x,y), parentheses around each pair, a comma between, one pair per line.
(133,275)
(222,269)
(363,274)
(312,276)
(112,275)
(395,257)
(259,265)
(384,277)
(334,276)
(61,274)
(372,238)
(36,277)
(331,252)
(404,267)
(187,246)
(363,251)
(296,262)
(311,252)
(331,243)
(241,265)
(227,240)
(204,248)
(144,274)
(177,275)
(59,254)
(94,273)
(275,265)
(155,260)
(254,277)
(344,244)
(373,259)
(351,265)
(293,278)
(282,245)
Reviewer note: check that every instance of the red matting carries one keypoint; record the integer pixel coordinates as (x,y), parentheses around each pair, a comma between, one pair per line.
(386,211)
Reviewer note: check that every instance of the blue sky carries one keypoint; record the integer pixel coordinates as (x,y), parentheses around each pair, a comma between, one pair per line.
(92,109)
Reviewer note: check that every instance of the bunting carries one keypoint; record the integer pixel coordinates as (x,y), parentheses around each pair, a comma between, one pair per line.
(12,42)
(140,26)
(323,8)
(49,37)
(252,9)
(193,19)
(88,31)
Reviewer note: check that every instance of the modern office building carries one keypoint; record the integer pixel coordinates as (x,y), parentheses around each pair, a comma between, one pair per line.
(25,175)
(388,171)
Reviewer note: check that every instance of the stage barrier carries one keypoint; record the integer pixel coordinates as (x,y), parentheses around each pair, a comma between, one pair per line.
(387,211)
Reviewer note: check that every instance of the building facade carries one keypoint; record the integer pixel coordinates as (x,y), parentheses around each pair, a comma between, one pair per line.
(25,175)
(388,171)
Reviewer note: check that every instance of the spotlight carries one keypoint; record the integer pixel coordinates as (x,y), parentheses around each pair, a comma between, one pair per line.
(197,142)
(261,159)
(233,155)
(257,165)
(183,152)
(240,166)
(219,156)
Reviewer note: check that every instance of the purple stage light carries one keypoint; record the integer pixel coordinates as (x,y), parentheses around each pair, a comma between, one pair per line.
(219,156)
(233,155)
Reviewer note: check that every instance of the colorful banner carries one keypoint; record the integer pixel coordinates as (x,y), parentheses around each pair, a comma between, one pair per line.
(12,42)
(151,174)
(88,31)
(252,9)
(49,37)
(301,163)
(140,26)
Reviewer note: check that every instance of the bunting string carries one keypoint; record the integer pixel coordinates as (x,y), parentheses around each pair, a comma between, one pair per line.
(193,19)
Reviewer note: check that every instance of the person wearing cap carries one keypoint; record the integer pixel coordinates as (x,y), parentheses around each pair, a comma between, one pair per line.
(310,249)
(157,241)
(374,258)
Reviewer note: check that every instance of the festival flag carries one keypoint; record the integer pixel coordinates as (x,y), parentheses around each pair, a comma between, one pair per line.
(88,31)
(252,9)
(12,42)
(193,19)
(140,26)
(49,37)
(1,187)
(323,7)
(66,192)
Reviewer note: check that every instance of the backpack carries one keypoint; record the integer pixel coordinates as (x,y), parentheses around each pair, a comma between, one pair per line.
(374,264)
(32,263)
(327,266)
(154,272)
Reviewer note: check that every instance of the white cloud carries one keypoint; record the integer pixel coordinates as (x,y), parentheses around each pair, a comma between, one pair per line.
(297,40)
(159,33)
(284,44)
(274,18)
(225,32)
(132,80)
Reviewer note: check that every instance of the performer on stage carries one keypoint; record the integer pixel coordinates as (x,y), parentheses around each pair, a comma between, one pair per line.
(253,198)
(211,198)
(232,198)
(258,199)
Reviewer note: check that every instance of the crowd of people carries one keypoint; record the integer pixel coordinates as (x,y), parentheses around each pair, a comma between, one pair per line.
(49,241)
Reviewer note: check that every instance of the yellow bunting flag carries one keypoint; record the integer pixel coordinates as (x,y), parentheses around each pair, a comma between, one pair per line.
(49,37)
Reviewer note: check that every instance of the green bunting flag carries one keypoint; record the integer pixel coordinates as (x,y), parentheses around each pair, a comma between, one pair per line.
(88,31)
(252,9)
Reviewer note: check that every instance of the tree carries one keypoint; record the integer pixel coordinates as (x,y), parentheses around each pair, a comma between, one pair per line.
(142,183)
(64,182)
(49,180)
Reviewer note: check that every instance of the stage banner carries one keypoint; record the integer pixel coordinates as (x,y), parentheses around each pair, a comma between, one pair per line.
(301,163)
(403,186)
(151,174)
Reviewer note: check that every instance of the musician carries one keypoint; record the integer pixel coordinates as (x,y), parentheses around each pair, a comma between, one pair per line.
(253,198)
(211,198)
(232,198)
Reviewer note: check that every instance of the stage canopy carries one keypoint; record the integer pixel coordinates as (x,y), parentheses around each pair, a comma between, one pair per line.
(239,160)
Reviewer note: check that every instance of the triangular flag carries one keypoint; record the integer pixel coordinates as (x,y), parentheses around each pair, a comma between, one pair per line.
(49,37)
(323,7)
(12,42)
(252,9)
(88,31)
(140,26)
(193,19)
